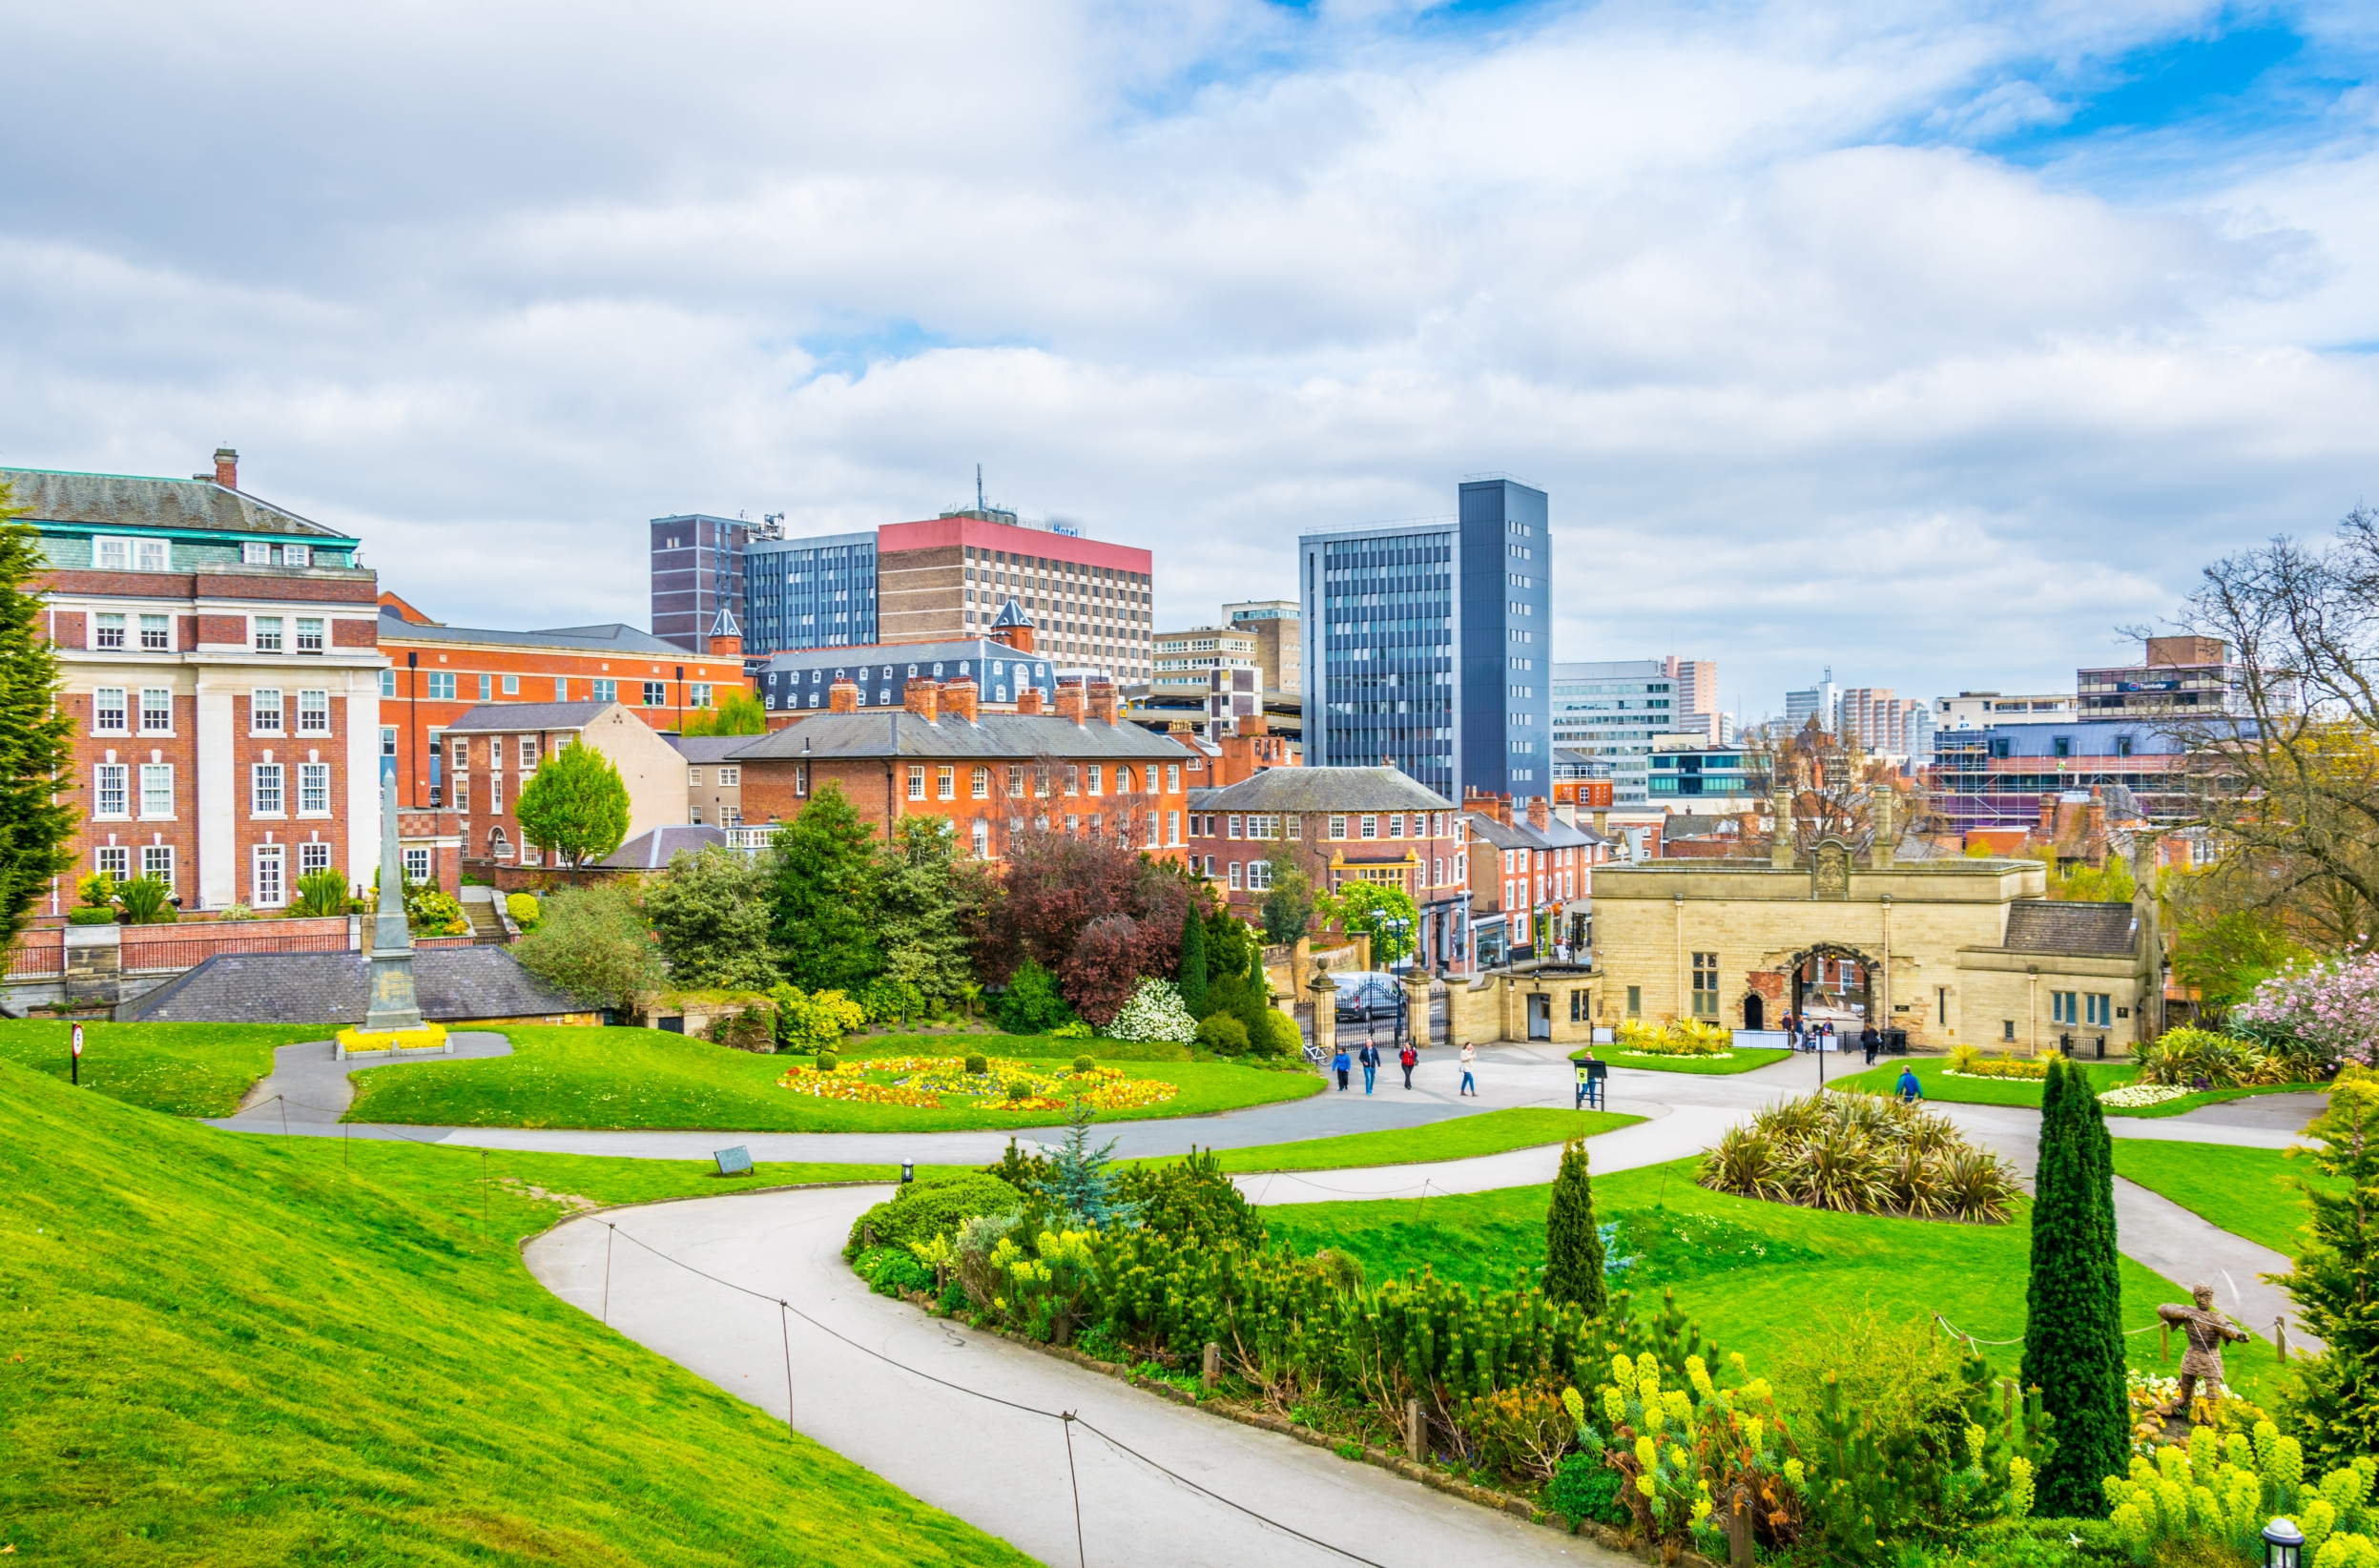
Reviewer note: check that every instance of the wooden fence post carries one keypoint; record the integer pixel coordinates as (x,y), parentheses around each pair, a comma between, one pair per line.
(1416,1434)
(1739,1529)
(1211,1367)
(2280,1334)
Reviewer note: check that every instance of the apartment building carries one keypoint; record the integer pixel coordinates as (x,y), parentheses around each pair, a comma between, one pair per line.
(1822,702)
(1885,723)
(1531,879)
(817,592)
(1611,710)
(219,656)
(493,750)
(1432,642)
(992,777)
(1981,710)
(1338,825)
(1183,659)
(437,673)
(1280,634)
(697,570)
(714,781)
(1001,670)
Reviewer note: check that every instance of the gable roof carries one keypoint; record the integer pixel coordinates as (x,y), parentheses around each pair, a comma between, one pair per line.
(709,748)
(2100,930)
(1325,790)
(135,501)
(1015,737)
(612,638)
(652,851)
(506,717)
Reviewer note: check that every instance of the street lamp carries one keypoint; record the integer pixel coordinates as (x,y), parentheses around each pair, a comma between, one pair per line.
(2284,1544)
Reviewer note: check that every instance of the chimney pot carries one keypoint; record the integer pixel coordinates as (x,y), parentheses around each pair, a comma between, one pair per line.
(1101,698)
(843,697)
(959,700)
(227,467)
(1539,815)
(1028,700)
(1069,699)
(923,699)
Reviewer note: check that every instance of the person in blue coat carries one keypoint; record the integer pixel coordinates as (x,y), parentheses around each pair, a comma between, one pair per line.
(1369,1056)
(1340,1064)
(1908,1088)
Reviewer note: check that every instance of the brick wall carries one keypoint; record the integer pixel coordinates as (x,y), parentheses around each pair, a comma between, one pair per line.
(918,594)
(772,792)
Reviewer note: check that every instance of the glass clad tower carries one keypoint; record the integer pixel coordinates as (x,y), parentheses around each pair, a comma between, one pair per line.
(1425,645)
(814,592)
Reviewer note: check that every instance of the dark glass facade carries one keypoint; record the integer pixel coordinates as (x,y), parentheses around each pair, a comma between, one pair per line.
(804,593)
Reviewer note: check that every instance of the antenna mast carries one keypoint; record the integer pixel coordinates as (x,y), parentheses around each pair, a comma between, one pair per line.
(979,487)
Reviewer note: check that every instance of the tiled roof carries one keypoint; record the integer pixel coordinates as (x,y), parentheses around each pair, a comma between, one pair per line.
(451,983)
(133,501)
(1326,790)
(505,717)
(1516,836)
(2098,930)
(709,748)
(613,638)
(652,851)
(1008,736)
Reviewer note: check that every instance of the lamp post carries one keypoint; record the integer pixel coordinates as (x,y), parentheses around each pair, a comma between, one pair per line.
(74,1066)
(908,1173)
(2284,1544)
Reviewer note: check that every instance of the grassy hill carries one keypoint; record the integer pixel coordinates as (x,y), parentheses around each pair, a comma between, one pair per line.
(230,1350)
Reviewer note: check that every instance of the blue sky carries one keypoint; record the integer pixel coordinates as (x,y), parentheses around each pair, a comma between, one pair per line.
(1930,342)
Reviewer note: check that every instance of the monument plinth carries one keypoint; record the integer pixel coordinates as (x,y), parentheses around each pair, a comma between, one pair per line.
(393,1006)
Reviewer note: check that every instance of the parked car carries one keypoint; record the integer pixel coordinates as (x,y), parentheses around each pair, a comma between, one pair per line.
(1367,993)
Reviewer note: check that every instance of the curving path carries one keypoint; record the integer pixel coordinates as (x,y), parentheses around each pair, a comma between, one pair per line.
(1001,1469)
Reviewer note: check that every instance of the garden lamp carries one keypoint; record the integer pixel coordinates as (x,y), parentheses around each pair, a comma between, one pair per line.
(908,1173)
(2284,1544)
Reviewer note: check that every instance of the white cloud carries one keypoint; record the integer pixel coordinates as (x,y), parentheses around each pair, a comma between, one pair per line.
(1809,383)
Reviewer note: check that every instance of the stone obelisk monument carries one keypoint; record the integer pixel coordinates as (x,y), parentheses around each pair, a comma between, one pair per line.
(393,1004)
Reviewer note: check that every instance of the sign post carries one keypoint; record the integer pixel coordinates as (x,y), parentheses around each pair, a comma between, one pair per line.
(74,1068)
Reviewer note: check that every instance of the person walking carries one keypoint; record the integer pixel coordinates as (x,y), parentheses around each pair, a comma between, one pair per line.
(1870,1041)
(1470,1084)
(1370,1058)
(1408,1059)
(1339,1065)
(1908,1088)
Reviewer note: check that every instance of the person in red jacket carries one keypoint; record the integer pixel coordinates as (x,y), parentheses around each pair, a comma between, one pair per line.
(1408,1059)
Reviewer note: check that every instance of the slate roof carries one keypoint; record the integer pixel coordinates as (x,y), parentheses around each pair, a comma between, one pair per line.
(652,851)
(890,732)
(2094,929)
(452,983)
(506,717)
(135,501)
(1515,835)
(1323,790)
(709,748)
(611,638)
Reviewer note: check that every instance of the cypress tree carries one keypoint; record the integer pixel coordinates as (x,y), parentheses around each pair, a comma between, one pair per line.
(1193,961)
(36,735)
(2073,1332)
(1573,1247)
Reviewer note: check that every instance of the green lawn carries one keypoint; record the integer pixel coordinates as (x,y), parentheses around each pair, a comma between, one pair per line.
(2249,1192)
(183,1069)
(1745,1059)
(1932,1073)
(1458,1138)
(1752,1272)
(561,1077)
(238,1350)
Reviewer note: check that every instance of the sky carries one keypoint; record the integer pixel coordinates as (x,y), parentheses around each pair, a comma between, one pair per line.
(1931,343)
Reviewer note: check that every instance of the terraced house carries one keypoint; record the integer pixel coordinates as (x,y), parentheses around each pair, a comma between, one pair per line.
(220,659)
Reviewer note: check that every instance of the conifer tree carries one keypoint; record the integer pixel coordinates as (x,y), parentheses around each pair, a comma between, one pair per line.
(1193,960)
(826,897)
(2334,1398)
(2073,1333)
(36,739)
(1573,1247)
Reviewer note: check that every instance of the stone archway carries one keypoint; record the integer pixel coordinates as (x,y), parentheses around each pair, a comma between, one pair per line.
(1817,981)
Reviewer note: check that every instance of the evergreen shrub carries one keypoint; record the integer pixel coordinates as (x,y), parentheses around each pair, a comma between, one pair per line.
(934,1206)
(1223,1035)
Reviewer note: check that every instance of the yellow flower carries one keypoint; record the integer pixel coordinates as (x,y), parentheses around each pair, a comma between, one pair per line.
(1700,1508)
(1646,1454)
(1623,1374)
(1643,1484)
(1795,1472)
(1678,1457)
(1614,1403)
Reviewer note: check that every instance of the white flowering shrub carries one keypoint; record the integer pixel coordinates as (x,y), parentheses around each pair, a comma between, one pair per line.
(1154,1012)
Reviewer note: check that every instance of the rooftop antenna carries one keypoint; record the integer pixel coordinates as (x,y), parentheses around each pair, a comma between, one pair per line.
(978,488)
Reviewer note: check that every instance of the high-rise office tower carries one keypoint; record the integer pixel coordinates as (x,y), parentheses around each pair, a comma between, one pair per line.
(1429,645)
(1610,710)
(696,564)
(1822,702)
(813,592)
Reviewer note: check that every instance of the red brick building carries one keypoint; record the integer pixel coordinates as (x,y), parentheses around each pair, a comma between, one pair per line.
(437,673)
(219,658)
(1532,875)
(1078,769)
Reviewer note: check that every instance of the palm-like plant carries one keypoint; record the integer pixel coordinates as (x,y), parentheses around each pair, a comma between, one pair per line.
(321,893)
(1857,1154)
(145,900)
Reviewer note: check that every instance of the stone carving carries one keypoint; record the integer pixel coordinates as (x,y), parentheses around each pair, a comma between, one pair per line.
(2206,1332)
(1830,869)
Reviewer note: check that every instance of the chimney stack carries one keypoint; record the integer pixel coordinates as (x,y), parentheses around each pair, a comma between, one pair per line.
(227,467)
(1101,694)
(2048,814)
(1069,698)
(843,697)
(1028,700)
(1539,816)
(958,700)
(923,699)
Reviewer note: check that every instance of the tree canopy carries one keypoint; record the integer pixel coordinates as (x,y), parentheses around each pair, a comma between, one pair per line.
(36,739)
(575,806)
(740,712)
(711,910)
(592,942)
(823,894)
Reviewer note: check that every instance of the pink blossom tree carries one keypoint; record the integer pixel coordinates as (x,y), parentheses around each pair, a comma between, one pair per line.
(2331,1007)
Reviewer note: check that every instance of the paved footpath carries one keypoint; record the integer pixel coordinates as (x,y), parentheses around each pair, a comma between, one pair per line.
(1003,1470)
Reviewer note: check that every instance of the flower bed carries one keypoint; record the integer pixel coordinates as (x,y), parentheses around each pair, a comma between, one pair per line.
(1004,1084)
(429,1037)
(1684,1037)
(1965,1062)
(2133,1096)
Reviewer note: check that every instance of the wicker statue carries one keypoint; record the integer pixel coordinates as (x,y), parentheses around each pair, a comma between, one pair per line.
(2206,1332)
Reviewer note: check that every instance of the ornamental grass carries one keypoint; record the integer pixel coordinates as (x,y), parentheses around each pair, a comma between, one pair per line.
(1859,1155)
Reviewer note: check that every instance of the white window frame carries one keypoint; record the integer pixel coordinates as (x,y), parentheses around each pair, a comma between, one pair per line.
(418,857)
(607,691)
(264,632)
(495,788)
(265,716)
(917,781)
(102,699)
(981,833)
(110,553)
(511,686)
(114,860)
(1235,876)
(946,781)
(157,785)
(268,790)
(296,555)
(694,778)
(1338,825)
(111,783)
(167,709)
(152,555)
(699,695)
(161,626)
(268,891)
(442,686)
(730,777)
(983,784)
(256,552)
(313,784)
(313,855)
(313,712)
(158,861)
(107,624)
(656,694)
(388,682)
(309,634)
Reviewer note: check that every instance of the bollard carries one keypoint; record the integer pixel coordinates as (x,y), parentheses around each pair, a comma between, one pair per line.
(867,1236)
(2163,1343)
(1739,1530)
(1210,1366)
(2280,1337)
(1416,1434)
